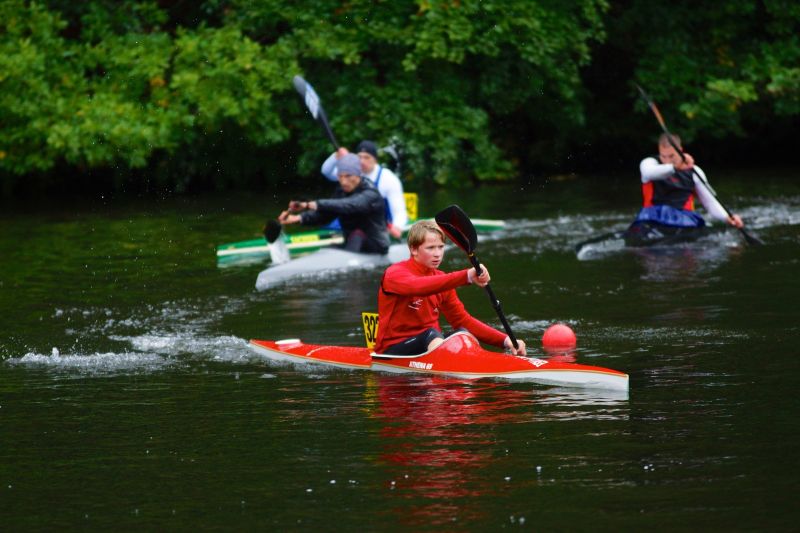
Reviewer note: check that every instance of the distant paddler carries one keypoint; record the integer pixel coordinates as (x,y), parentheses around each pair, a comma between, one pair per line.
(356,202)
(669,189)
(670,184)
(388,184)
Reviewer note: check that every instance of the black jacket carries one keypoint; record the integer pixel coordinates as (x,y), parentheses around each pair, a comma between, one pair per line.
(363,209)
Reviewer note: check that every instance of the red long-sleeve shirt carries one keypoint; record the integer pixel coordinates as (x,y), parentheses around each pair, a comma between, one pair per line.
(409,301)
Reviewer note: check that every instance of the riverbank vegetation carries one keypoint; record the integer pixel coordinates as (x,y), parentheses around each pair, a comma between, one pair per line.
(182,96)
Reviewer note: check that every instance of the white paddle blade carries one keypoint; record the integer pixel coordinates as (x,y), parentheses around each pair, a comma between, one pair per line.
(312,102)
(278,251)
(309,95)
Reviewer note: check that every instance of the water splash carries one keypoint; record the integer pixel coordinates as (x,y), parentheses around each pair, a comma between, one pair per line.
(96,363)
(191,346)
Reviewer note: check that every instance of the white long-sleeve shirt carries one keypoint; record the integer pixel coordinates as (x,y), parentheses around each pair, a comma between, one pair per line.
(652,170)
(390,187)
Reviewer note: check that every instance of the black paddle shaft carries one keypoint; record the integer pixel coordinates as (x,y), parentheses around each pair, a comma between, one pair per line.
(455,223)
(498,307)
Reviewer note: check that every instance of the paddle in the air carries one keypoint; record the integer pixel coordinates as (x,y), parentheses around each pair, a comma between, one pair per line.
(312,101)
(455,223)
(279,253)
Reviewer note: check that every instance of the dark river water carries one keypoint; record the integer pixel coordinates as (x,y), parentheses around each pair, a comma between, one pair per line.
(129,398)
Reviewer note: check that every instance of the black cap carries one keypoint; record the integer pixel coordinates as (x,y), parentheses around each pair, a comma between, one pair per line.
(368,146)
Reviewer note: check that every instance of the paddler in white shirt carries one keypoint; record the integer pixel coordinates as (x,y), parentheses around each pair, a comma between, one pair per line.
(387,183)
(670,184)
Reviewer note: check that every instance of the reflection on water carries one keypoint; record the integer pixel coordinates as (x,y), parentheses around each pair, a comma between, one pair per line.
(687,263)
(447,432)
(168,405)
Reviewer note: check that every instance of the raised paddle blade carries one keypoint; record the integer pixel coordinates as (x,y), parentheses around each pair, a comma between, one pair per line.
(314,106)
(456,224)
(308,94)
(272,230)
(391,149)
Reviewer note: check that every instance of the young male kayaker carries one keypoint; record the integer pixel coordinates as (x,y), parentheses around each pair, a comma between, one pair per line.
(414,292)
(357,204)
(387,183)
(669,187)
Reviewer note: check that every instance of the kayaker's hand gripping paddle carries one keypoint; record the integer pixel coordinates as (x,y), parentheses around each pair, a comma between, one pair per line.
(456,224)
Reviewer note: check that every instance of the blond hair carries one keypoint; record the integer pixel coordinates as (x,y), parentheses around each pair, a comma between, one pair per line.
(417,232)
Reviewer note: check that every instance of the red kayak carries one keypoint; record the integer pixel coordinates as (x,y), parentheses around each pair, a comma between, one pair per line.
(461,355)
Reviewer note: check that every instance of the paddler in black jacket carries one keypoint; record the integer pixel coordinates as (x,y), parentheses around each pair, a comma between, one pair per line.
(358,205)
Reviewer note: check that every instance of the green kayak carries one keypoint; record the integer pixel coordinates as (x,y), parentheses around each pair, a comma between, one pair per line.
(306,241)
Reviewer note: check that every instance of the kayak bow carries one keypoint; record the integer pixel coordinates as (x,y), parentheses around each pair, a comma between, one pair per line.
(461,356)
(327,260)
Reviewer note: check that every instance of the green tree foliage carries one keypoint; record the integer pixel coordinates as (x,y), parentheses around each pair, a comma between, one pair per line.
(719,65)
(470,89)
(432,74)
(109,99)
(118,84)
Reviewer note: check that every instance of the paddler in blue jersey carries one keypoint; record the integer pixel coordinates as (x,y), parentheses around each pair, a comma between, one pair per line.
(670,184)
(387,183)
(356,202)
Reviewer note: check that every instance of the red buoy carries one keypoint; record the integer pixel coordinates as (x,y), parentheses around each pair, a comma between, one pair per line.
(559,336)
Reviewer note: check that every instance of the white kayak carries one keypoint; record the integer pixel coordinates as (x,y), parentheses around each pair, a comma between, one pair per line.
(327,260)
